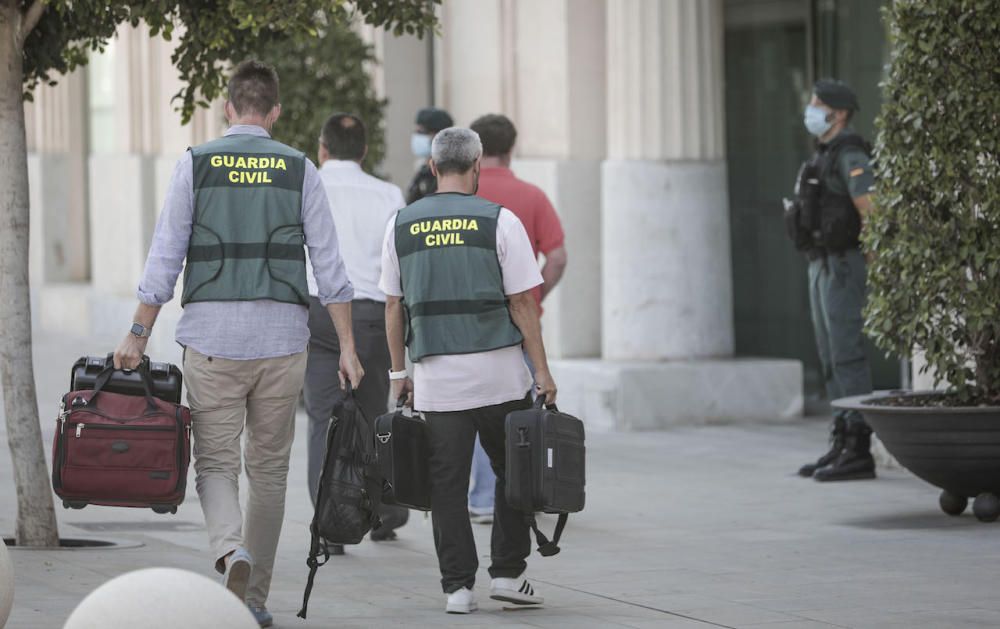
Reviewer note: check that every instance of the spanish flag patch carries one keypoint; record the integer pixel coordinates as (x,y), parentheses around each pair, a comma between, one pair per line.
(857,171)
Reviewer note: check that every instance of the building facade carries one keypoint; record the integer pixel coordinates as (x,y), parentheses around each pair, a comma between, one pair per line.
(664,131)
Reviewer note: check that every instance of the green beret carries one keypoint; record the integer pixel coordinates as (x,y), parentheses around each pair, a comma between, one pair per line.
(836,94)
(434,119)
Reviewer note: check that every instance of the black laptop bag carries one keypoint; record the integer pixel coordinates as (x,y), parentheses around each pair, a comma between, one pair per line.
(402,450)
(545,467)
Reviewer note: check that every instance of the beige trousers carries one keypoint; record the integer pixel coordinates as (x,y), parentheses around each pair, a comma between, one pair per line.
(225,397)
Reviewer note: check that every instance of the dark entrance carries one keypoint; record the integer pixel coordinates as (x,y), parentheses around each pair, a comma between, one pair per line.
(774,51)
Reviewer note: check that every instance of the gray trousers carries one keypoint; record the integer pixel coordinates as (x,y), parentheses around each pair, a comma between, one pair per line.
(837,298)
(322,384)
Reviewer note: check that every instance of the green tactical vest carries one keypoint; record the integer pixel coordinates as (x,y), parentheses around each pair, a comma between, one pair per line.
(247,238)
(451,278)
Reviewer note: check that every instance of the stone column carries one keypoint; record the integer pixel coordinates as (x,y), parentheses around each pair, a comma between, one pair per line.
(541,62)
(665,213)
(57,170)
(402,77)
(666,311)
(558,98)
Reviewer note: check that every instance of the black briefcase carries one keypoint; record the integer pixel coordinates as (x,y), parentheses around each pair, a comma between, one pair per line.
(402,450)
(165,378)
(545,467)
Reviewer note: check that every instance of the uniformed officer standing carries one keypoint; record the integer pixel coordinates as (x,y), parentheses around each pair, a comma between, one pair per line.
(825,220)
(430,120)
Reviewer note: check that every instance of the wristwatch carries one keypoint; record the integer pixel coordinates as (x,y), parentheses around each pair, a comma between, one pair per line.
(140,330)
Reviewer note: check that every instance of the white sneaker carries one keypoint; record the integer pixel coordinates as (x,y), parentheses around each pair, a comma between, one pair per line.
(461,602)
(237,576)
(517,591)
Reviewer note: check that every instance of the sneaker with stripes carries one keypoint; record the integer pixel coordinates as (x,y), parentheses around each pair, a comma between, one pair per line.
(518,591)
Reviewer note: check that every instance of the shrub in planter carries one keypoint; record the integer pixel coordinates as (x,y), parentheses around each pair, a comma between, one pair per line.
(935,281)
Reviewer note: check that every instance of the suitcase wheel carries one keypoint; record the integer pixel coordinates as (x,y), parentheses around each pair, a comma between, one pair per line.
(164,509)
(73,504)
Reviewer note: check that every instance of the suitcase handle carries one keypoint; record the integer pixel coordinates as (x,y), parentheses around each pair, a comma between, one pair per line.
(110,361)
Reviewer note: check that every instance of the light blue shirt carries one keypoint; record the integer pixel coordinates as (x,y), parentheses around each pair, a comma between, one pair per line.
(242,330)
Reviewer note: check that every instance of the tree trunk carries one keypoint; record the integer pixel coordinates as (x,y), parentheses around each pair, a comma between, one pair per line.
(36,519)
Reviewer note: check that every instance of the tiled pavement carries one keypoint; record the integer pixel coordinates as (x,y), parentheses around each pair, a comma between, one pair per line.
(694,528)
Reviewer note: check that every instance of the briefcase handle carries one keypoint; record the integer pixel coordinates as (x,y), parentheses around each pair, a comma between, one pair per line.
(540,402)
(143,370)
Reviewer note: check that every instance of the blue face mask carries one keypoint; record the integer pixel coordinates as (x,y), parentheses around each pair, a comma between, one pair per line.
(815,120)
(420,144)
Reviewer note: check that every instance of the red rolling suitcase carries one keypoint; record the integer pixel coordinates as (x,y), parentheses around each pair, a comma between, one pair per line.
(121,450)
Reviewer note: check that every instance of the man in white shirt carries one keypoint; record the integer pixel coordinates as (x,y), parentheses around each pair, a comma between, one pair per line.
(361,205)
(465,269)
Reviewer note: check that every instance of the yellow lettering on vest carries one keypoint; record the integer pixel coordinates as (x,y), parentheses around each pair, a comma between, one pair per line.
(227,161)
(472,225)
(436,226)
(243,176)
(216,161)
(241,162)
(279,164)
(252,163)
(443,240)
(414,229)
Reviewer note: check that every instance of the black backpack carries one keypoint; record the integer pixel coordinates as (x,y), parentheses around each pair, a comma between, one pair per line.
(350,488)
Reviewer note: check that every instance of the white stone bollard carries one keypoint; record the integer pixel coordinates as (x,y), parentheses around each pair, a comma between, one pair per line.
(6,584)
(161,598)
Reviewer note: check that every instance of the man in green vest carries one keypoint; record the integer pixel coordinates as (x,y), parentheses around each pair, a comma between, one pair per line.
(241,210)
(458,272)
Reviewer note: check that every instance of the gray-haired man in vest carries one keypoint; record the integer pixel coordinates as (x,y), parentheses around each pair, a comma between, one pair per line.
(240,209)
(457,271)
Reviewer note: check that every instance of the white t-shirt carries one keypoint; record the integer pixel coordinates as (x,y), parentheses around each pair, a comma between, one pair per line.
(361,205)
(467,381)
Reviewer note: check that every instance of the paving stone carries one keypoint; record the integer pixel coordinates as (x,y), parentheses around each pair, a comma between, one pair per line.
(705,522)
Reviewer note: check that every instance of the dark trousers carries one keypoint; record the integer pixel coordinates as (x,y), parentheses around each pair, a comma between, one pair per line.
(837,297)
(322,384)
(452,437)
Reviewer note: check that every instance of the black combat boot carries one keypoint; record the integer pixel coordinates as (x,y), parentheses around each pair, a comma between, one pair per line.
(855,462)
(836,446)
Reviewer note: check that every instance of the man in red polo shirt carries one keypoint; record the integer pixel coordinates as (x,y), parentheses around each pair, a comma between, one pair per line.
(497,183)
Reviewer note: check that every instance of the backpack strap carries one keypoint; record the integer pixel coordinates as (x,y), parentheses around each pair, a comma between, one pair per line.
(317,544)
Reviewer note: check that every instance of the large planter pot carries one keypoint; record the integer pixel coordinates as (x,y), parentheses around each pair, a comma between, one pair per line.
(954,448)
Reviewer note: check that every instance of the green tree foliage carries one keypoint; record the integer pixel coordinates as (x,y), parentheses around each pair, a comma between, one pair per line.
(935,284)
(323,75)
(209,33)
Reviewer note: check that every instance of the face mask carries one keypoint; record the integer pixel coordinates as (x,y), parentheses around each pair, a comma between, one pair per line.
(420,144)
(815,120)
